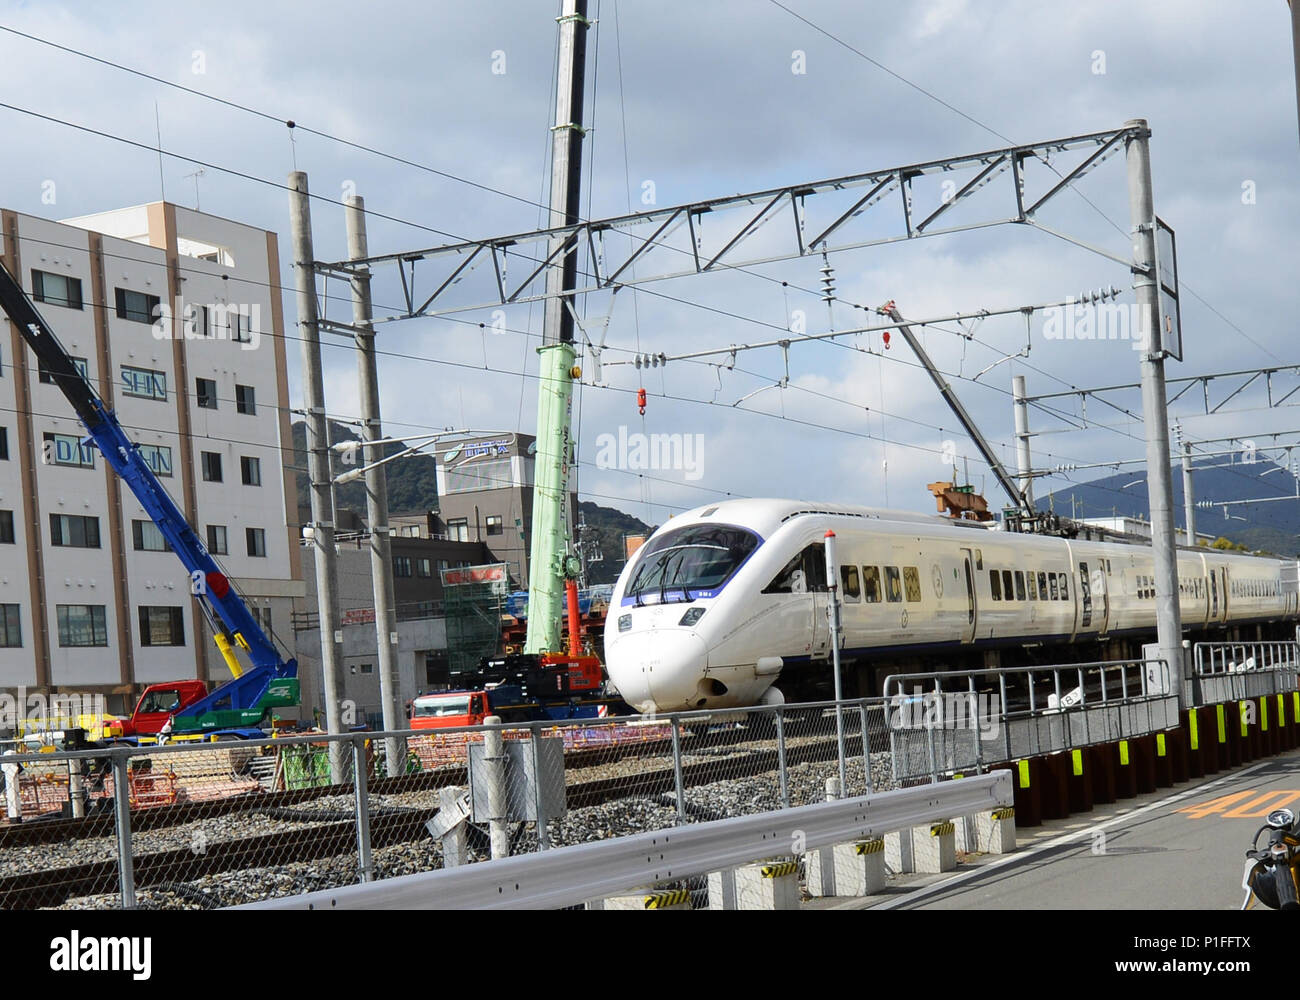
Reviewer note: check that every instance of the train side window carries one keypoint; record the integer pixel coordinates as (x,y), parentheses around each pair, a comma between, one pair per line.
(803,574)
(1056,591)
(1042,586)
(1033,586)
(851,584)
(1007,587)
(1065,587)
(1020,585)
(995,584)
(979,558)
(790,580)
(871,583)
(912,584)
(893,585)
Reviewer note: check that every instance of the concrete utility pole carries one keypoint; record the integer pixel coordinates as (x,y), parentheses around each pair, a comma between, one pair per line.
(1295,46)
(1189,500)
(381,560)
(550,560)
(1022,439)
(318,465)
(1155,410)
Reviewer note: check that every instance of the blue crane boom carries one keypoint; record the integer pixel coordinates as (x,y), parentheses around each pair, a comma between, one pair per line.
(271,680)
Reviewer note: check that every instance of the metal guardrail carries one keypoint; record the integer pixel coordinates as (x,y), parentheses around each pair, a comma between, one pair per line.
(573,875)
(982,717)
(1224,671)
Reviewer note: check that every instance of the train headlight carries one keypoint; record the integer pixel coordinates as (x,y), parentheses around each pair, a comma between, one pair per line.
(625,623)
(692,616)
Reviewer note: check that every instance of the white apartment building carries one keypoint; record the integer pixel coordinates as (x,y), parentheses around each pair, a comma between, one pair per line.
(177,319)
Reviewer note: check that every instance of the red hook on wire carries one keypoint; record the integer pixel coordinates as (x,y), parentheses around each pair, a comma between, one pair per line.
(640,401)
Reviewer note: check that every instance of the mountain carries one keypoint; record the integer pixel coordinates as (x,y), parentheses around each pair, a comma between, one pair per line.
(412,481)
(610,526)
(1270,527)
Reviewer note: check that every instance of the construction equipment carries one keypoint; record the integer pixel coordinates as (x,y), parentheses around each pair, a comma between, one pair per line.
(234,709)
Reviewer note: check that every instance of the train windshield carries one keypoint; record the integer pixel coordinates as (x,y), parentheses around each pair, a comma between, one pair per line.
(689,563)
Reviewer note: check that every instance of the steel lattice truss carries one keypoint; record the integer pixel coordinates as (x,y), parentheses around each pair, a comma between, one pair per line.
(1244,379)
(843,213)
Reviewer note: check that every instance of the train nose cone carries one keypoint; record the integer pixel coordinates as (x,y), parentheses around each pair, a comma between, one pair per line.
(657,670)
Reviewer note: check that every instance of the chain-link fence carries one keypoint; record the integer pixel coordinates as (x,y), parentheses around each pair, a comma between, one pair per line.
(203,825)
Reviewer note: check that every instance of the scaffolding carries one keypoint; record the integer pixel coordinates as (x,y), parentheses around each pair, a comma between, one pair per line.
(474,599)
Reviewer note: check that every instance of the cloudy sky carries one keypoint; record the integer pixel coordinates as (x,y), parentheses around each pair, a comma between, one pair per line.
(689,101)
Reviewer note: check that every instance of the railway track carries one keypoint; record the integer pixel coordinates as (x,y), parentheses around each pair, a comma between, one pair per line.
(332,837)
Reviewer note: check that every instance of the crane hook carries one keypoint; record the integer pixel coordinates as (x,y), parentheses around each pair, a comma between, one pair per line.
(640,401)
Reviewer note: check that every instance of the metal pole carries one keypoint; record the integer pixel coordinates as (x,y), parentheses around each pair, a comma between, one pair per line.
(1189,499)
(13,794)
(122,807)
(1022,439)
(543,834)
(318,465)
(494,764)
(360,779)
(381,561)
(1295,45)
(833,610)
(1155,410)
(77,787)
(677,770)
(780,758)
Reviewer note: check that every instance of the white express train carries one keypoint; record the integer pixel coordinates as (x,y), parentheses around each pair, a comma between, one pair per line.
(724,601)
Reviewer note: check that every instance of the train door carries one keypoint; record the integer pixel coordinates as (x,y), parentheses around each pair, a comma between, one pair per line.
(1085,597)
(1214,595)
(1101,597)
(1223,588)
(968,572)
(814,567)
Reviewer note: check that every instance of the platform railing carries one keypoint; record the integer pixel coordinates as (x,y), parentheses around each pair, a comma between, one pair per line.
(1223,671)
(995,716)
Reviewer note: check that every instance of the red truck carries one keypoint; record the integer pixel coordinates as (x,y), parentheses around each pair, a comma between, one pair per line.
(154,710)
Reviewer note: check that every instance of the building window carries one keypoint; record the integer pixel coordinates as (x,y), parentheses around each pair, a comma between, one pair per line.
(6,527)
(217,539)
(46,377)
(4,444)
(136,306)
(495,525)
(11,626)
(245,399)
(211,461)
(144,383)
(240,327)
(56,289)
(205,389)
(162,627)
(256,540)
(250,469)
(146,537)
(158,457)
(68,449)
(74,531)
(458,529)
(82,624)
(401,565)
(365,668)
(424,568)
